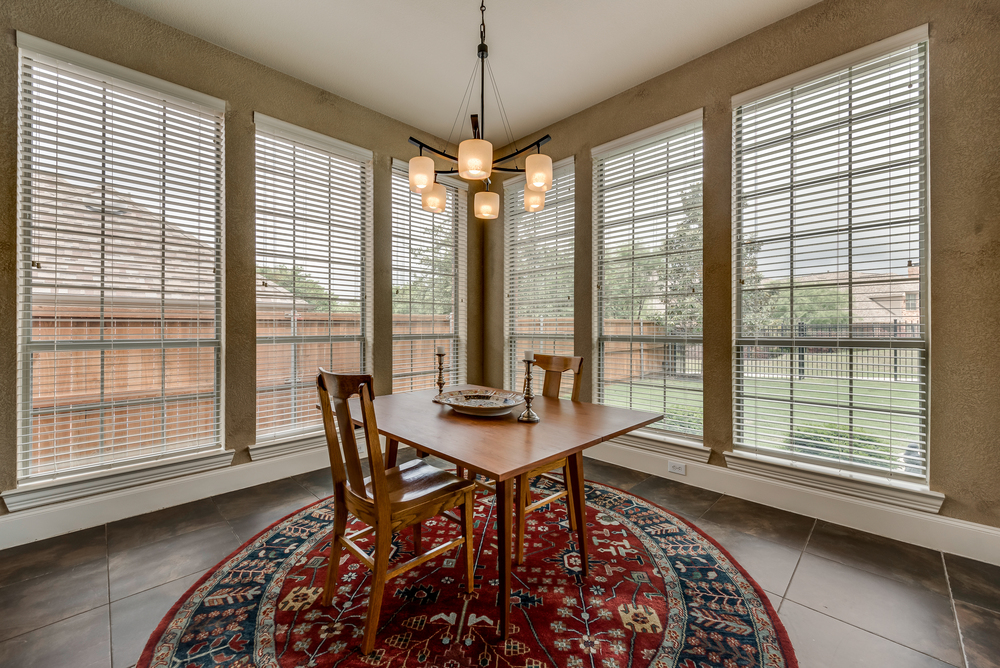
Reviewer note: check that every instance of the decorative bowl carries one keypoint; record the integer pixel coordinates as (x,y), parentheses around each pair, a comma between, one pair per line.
(483,402)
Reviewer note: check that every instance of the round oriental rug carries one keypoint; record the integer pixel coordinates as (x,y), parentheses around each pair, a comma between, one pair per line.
(660,594)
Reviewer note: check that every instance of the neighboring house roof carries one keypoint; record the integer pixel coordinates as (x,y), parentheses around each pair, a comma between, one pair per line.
(77,264)
(875,296)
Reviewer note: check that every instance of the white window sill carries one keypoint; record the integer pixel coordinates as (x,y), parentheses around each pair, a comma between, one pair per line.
(678,447)
(34,494)
(280,447)
(861,486)
(299,443)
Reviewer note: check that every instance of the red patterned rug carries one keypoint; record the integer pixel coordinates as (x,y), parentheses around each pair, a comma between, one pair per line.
(660,594)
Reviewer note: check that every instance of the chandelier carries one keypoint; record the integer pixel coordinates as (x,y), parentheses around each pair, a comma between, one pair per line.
(475,156)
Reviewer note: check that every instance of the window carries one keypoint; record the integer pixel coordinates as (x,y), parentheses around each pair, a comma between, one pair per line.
(314,222)
(830,188)
(539,273)
(912,303)
(648,245)
(428,286)
(120,188)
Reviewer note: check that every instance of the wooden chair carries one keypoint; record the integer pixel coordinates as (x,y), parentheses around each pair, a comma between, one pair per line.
(391,500)
(554,367)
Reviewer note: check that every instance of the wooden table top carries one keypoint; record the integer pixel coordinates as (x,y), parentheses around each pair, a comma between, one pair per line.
(500,447)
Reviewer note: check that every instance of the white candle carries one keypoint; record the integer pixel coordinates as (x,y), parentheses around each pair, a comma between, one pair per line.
(529,355)
(441,350)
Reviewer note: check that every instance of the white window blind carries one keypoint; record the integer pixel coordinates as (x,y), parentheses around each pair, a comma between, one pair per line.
(539,274)
(830,199)
(428,286)
(314,230)
(119,269)
(648,247)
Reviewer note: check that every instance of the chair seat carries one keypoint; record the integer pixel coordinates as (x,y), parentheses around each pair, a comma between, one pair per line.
(414,483)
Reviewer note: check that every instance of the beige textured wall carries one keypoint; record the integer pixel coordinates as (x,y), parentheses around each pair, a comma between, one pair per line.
(964,91)
(121,36)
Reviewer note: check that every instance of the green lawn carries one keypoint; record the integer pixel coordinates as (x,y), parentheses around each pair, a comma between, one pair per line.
(868,419)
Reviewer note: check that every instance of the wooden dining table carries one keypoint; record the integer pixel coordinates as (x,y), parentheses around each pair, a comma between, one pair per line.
(501,448)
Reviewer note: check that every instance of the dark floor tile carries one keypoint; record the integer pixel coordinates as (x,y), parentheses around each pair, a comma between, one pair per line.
(779,526)
(404,454)
(32,604)
(685,500)
(910,615)
(133,619)
(974,582)
(770,564)
(611,474)
(980,633)
(82,641)
(261,497)
(319,482)
(881,556)
(437,462)
(167,523)
(820,641)
(151,565)
(53,554)
(248,526)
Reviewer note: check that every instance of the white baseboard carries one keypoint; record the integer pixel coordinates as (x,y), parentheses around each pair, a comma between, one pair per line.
(33,524)
(967,539)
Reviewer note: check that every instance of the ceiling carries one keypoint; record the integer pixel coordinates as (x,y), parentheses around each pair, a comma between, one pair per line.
(413,60)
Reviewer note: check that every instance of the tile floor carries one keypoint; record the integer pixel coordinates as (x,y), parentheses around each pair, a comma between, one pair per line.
(91,598)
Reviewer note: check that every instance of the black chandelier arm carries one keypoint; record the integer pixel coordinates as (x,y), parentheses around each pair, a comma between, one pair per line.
(427,147)
(505,170)
(537,144)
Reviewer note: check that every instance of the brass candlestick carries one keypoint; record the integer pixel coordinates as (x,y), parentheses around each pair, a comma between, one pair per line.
(440,378)
(528,415)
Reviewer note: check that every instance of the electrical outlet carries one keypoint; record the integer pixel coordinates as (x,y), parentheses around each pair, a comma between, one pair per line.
(677,467)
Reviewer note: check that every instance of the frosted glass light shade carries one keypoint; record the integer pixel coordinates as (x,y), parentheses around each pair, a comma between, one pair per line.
(475,159)
(533,200)
(421,173)
(433,199)
(538,171)
(487,205)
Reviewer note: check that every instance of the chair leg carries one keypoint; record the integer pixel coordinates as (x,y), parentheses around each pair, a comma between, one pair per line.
(380,568)
(460,471)
(416,539)
(523,494)
(466,514)
(336,551)
(569,498)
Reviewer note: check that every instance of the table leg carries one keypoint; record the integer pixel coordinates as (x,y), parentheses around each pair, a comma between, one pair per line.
(505,501)
(391,448)
(579,507)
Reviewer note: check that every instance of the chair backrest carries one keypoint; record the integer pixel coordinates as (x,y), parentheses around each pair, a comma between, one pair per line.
(345,462)
(554,366)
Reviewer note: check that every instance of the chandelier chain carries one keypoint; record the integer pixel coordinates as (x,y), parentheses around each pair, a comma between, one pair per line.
(482,23)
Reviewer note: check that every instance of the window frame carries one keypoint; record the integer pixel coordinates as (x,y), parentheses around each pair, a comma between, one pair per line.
(457,210)
(314,141)
(897,474)
(143,87)
(514,213)
(644,139)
